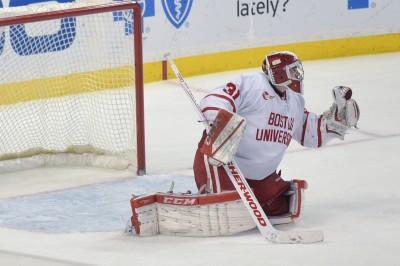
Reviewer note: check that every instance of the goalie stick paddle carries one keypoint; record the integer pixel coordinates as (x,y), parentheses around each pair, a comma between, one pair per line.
(265,227)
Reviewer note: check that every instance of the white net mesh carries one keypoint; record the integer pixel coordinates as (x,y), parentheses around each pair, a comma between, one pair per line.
(67,94)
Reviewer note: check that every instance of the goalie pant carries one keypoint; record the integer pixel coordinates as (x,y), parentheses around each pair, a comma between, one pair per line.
(271,192)
(201,215)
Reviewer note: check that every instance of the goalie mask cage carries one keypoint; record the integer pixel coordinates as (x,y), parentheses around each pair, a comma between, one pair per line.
(71,87)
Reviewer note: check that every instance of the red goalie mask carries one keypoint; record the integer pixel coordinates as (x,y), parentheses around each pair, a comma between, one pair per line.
(284,69)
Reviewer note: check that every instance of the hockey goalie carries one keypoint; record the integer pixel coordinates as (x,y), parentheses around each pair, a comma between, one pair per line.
(252,119)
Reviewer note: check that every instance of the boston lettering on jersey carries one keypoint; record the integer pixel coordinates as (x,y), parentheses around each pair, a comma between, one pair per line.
(282,135)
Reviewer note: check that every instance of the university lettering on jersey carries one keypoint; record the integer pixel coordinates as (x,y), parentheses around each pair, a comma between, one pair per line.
(281,133)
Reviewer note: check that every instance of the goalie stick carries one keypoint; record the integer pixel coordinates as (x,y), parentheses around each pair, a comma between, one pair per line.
(246,194)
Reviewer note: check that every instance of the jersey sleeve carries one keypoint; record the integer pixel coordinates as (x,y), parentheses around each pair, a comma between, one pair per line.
(224,97)
(312,133)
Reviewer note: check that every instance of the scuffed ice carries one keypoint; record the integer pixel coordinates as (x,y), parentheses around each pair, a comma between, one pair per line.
(96,208)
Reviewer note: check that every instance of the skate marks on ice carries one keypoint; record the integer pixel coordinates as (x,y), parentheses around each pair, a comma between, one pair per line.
(10,257)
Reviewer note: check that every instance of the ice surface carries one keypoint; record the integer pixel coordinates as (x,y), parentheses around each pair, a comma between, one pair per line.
(77,216)
(100,207)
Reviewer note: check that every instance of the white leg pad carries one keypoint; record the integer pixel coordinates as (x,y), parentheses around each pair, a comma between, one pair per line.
(190,215)
(203,215)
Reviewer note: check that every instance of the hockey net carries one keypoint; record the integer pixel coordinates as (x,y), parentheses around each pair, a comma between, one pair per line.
(71,87)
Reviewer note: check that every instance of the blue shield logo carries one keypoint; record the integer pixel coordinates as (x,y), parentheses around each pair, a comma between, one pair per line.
(177,11)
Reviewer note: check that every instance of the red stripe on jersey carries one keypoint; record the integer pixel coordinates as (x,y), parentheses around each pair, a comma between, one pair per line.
(226,98)
(210,109)
(236,95)
(319,132)
(304,128)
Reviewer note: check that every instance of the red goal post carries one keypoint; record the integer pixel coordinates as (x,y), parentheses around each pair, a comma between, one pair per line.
(137,67)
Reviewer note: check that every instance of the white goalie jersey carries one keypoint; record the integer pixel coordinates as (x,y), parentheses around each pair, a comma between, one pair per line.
(272,122)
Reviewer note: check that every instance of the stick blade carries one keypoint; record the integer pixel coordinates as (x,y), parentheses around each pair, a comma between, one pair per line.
(297,237)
